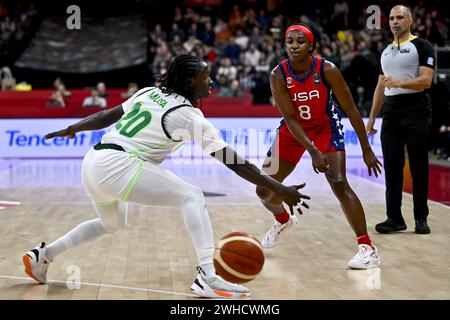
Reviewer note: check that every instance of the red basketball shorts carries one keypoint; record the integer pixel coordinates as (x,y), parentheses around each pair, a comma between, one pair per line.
(286,147)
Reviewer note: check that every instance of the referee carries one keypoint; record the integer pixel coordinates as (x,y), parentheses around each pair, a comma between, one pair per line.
(407,69)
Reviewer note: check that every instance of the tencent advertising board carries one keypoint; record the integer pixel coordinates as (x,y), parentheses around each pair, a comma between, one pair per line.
(251,137)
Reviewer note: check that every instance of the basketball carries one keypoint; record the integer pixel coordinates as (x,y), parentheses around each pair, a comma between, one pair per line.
(239,257)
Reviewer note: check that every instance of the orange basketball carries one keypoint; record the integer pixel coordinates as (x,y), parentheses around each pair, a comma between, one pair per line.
(239,257)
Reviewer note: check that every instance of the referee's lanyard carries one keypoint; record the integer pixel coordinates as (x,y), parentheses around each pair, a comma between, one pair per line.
(409,39)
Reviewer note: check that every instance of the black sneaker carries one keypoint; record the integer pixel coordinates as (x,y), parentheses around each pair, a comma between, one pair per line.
(422,227)
(390,226)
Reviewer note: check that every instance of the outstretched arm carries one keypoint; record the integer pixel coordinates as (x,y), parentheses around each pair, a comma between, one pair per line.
(340,89)
(99,120)
(251,173)
(190,124)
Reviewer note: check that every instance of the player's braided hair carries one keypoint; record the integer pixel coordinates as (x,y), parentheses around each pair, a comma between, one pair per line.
(177,78)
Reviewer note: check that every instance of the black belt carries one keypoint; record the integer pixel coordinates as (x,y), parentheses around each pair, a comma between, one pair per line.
(101,146)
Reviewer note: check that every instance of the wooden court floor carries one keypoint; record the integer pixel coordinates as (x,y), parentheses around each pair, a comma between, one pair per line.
(153,257)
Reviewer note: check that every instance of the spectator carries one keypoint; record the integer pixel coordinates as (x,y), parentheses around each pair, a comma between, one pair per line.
(62,88)
(236,20)
(193,31)
(261,91)
(190,17)
(163,54)
(250,19)
(208,36)
(227,71)
(132,89)
(431,32)
(178,15)
(31,10)
(232,50)
(56,100)
(23,25)
(176,31)
(8,82)
(346,56)
(253,55)
(158,34)
(255,36)
(246,73)
(235,89)
(94,100)
(7,29)
(56,83)
(329,55)
(241,39)
(340,16)
(224,86)
(263,20)
(221,31)
(210,54)
(176,44)
(101,89)
(191,43)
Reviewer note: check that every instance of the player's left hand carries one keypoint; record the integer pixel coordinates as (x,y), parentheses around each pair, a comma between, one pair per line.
(294,199)
(373,164)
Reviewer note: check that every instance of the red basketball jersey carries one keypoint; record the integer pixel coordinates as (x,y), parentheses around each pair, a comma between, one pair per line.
(312,98)
(310,95)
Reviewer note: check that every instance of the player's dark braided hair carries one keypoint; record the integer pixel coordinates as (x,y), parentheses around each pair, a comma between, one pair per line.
(177,78)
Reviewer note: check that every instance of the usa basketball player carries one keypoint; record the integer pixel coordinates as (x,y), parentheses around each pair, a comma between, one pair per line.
(304,87)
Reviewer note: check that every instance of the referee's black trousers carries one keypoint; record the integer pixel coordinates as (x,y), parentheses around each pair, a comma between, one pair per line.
(406,123)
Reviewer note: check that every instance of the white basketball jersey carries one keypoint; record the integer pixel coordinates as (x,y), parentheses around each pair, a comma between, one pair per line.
(141,130)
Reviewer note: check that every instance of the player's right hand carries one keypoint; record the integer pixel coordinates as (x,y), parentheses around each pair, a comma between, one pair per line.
(319,161)
(294,199)
(61,133)
(369,127)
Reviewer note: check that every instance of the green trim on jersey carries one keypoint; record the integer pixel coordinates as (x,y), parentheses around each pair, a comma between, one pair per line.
(134,179)
(107,203)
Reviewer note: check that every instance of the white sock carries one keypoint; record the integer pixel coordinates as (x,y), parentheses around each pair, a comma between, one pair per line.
(209,269)
(197,223)
(84,232)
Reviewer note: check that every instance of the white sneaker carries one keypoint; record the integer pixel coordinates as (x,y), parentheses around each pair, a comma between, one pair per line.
(36,263)
(217,287)
(366,258)
(273,236)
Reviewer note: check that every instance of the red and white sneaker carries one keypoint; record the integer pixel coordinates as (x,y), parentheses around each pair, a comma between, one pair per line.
(366,258)
(273,236)
(36,263)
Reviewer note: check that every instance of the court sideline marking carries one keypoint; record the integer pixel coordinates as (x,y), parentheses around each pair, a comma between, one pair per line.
(103,285)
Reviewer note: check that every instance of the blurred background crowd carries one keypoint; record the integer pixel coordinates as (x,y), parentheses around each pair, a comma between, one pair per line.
(126,43)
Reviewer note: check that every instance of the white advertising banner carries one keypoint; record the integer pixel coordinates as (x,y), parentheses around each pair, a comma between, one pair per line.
(251,137)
